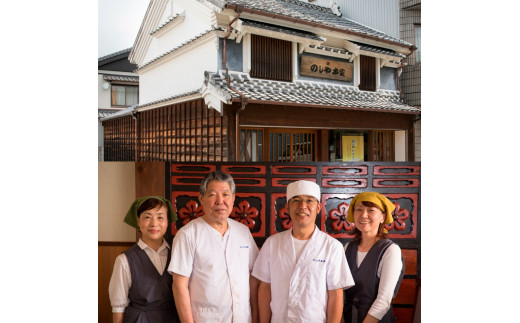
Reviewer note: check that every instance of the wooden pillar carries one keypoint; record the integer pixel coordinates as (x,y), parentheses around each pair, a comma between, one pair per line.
(323,146)
(411,143)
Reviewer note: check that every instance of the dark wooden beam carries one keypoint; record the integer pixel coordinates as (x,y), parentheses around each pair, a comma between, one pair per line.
(292,116)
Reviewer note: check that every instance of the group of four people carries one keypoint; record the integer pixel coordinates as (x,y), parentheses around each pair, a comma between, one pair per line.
(214,271)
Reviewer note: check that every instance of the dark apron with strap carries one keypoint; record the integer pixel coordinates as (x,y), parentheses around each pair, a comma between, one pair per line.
(151,297)
(359,298)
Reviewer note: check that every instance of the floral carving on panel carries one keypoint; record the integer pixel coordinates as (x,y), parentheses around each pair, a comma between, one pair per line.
(245,214)
(339,218)
(191,211)
(399,215)
(286,219)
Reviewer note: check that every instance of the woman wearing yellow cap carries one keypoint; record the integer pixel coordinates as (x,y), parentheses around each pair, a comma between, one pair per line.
(140,288)
(376,262)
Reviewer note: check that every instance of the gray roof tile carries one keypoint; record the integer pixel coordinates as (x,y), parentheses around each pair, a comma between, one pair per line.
(308,92)
(280,29)
(124,51)
(125,112)
(379,50)
(305,11)
(122,78)
(172,97)
(164,24)
(105,113)
(176,48)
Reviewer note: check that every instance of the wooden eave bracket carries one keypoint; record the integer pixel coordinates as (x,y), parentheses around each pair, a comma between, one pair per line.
(327,52)
(353,48)
(242,30)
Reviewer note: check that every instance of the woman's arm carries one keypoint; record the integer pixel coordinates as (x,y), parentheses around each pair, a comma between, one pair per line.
(264,302)
(119,286)
(181,294)
(118,317)
(390,270)
(334,305)
(370,319)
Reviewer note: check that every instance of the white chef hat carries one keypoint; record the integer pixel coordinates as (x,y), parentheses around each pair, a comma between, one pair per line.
(303,188)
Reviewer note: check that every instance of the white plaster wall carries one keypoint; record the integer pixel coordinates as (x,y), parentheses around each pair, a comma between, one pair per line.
(197,20)
(116,192)
(103,95)
(400,145)
(182,73)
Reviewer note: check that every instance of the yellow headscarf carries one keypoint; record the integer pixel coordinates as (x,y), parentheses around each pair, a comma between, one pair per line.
(385,204)
(131,215)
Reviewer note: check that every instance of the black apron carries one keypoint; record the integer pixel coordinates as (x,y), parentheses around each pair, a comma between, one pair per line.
(151,297)
(359,298)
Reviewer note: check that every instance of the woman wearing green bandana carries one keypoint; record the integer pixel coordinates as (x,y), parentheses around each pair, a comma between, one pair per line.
(376,262)
(140,288)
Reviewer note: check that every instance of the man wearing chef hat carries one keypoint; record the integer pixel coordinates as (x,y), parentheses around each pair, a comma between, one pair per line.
(302,271)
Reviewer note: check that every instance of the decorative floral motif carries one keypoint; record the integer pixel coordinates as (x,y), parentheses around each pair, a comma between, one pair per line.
(399,218)
(286,218)
(191,211)
(245,213)
(339,218)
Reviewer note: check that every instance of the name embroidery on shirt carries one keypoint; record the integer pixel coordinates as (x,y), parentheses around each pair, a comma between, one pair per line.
(244,247)
(318,260)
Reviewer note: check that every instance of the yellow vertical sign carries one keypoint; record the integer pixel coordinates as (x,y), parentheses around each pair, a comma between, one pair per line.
(353,149)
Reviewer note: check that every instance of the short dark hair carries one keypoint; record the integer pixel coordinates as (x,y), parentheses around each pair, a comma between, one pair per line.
(381,234)
(217,175)
(151,203)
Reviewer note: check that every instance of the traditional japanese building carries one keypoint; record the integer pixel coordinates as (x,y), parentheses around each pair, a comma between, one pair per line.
(248,86)
(271,81)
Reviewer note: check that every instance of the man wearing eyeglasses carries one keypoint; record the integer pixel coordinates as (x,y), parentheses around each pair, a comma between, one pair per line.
(302,271)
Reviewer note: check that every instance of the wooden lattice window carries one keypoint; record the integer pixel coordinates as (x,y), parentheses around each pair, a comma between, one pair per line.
(184,132)
(297,145)
(251,144)
(119,139)
(271,58)
(367,73)
(382,145)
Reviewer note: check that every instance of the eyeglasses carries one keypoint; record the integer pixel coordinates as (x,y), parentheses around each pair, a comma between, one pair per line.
(308,201)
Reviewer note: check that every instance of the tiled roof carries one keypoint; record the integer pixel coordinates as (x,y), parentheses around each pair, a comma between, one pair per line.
(106,113)
(379,50)
(295,9)
(310,93)
(289,31)
(124,51)
(164,24)
(121,78)
(177,48)
(125,112)
(172,97)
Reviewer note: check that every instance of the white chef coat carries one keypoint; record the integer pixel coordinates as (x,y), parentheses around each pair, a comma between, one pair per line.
(218,268)
(299,287)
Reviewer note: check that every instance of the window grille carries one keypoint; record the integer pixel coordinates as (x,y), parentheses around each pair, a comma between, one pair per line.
(271,58)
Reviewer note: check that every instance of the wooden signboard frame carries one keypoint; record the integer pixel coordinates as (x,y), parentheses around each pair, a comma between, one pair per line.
(326,68)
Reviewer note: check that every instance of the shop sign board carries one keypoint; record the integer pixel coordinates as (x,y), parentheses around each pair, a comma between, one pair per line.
(353,149)
(326,68)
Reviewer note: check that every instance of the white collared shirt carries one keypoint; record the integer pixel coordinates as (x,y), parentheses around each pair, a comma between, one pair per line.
(300,285)
(219,269)
(121,279)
